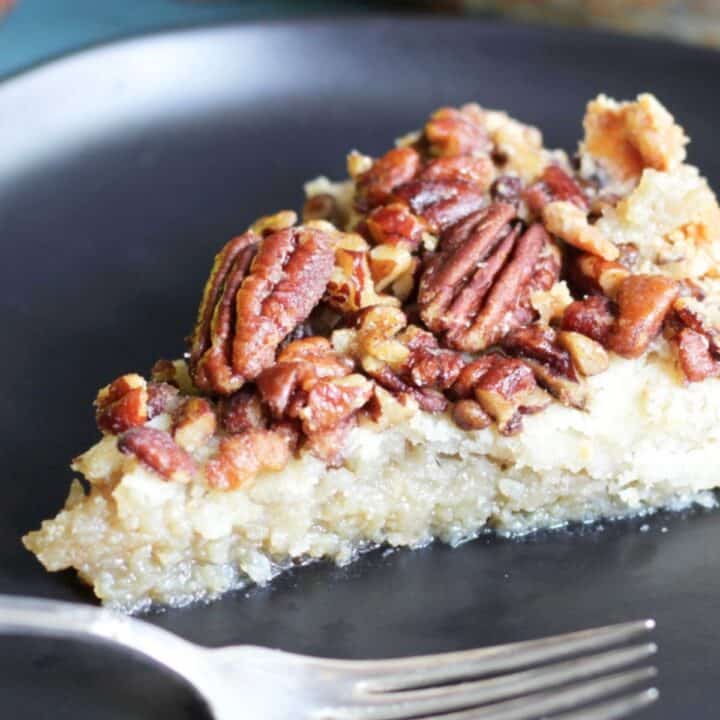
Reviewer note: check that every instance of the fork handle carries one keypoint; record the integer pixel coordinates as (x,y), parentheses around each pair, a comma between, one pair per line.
(35,616)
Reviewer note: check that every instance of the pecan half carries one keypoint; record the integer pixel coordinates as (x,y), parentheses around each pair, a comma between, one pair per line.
(156,449)
(211,341)
(250,307)
(643,302)
(122,404)
(498,313)
(452,289)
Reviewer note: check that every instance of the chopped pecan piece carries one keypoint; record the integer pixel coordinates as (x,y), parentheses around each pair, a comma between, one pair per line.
(394,224)
(594,316)
(643,302)
(555,185)
(696,360)
(241,457)
(194,424)
(507,391)
(507,189)
(589,356)
(540,343)
(375,186)
(122,404)
(567,222)
(244,318)
(552,364)
(161,398)
(451,132)
(312,383)
(592,274)
(470,416)
(390,263)
(352,282)
(475,170)
(692,313)
(323,207)
(331,402)
(404,359)
(441,203)
(156,449)
(242,411)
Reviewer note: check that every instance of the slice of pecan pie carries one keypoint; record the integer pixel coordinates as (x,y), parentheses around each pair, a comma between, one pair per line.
(471,333)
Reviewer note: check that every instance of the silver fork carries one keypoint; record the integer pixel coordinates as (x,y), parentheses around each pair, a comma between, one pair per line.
(519,681)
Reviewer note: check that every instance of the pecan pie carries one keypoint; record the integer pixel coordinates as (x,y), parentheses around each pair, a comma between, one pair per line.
(472,333)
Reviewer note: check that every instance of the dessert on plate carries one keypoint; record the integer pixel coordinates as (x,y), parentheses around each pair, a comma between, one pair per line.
(473,332)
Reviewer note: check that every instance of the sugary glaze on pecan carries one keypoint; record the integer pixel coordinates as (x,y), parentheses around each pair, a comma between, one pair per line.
(461,277)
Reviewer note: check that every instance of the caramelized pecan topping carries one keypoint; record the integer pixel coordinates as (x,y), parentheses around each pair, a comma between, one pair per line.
(403,359)
(313,384)
(157,449)
(260,290)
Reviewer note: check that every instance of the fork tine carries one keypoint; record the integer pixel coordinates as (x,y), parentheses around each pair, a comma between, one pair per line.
(412,703)
(615,709)
(405,673)
(538,705)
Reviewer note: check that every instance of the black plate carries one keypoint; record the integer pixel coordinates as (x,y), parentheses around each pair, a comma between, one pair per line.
(123,168)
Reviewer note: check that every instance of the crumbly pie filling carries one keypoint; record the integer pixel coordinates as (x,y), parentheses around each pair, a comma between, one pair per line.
(473,332)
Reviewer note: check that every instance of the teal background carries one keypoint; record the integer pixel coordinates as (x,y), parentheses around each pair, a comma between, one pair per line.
(36,30)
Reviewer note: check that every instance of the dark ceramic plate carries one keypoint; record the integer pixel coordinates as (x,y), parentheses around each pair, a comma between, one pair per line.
(123,168)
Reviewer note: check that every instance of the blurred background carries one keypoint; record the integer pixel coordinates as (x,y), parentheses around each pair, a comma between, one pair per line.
(34,30)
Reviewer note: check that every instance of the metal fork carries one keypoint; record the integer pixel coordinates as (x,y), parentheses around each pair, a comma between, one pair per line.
(519,681)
